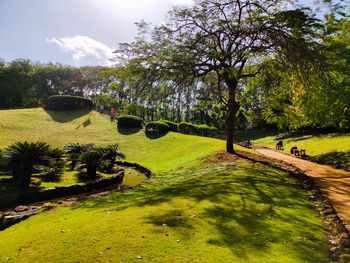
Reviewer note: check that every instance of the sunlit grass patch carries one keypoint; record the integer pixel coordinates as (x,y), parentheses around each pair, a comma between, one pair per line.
(228,212)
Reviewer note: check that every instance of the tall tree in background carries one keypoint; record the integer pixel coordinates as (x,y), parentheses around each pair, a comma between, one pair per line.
(221,37)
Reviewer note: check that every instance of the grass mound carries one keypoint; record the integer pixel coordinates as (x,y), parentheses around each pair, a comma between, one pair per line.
(194,209)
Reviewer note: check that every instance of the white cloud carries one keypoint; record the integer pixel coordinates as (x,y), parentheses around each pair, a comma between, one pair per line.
(85,48)
(182,2)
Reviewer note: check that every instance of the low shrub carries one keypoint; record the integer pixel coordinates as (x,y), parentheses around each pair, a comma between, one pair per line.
(66,102)
(130,121)
(204,130)
(213,131)
(3,162)
(339,160)
(157,126)
(172,125)
(187,128)
(201,130)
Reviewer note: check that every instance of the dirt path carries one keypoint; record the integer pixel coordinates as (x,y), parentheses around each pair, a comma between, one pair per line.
(333,183)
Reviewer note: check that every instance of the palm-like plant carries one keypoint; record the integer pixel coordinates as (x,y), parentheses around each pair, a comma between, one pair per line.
(23,156)
(74,150)
(56,163)
(111,153)
(90,160)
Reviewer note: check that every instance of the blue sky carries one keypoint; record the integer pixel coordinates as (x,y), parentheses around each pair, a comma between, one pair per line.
(74,32)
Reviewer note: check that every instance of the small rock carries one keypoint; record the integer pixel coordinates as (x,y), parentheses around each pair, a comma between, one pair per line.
(62,231)
(177,240)
(165,225)
(108,213)
(101,253)
(21,208)
(259,214)
(193,215)
(139,257)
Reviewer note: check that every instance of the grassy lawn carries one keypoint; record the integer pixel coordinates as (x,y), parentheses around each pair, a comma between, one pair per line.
(332,149)
(192,210)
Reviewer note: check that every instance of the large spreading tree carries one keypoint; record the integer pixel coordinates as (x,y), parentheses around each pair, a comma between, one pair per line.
(221,40)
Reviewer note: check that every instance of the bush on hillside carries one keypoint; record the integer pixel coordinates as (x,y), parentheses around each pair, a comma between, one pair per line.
(25,156)
(130,121)
(3,162)
(213,131)
(172,125)
(66,102)
(204,130)
(157,126)
(187,128)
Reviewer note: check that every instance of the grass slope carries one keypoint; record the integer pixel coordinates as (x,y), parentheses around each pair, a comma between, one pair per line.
(314,142)
(331,149)
(192,210)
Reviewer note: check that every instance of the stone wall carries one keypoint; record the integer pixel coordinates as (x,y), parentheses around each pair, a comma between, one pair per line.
(60,191)
(137,167)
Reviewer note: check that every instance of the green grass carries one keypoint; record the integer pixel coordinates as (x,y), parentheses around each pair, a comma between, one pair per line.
(239,212)
(314,143)
(192,210)
(51,126)
(331,149)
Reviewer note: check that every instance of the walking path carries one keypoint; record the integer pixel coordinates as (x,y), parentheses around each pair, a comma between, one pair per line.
(333,183)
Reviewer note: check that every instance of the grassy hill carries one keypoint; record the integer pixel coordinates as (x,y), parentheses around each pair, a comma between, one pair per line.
(194,209)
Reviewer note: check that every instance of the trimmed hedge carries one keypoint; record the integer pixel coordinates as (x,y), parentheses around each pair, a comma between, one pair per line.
(187,128)
(157,126)
(204,130)
(66,102)
(130,121)
(213,131)
(172,125)
(201,130)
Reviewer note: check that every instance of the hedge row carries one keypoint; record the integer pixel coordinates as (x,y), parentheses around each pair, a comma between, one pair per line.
(201,130)
(172,125)
(130,121)
(165,126)
(157,126)
(66,102)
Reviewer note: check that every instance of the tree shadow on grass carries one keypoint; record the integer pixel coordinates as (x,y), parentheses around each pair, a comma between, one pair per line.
(67,115)
(155,135)
(128,130)
(252,209)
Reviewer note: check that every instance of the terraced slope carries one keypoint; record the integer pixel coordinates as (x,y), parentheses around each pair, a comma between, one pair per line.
(194,209)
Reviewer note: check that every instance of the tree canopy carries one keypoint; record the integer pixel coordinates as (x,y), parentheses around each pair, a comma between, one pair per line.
(225,40)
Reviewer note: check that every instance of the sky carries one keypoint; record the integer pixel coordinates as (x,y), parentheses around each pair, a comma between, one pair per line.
(74,32)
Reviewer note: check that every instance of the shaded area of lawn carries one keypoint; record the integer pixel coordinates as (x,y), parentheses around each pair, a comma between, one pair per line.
(223,212)
(340,160)
(315,142)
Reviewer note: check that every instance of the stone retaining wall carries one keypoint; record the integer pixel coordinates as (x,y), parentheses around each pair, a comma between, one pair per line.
(137,167)
(60,191)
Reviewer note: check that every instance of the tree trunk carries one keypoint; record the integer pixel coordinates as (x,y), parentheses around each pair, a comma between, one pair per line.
(91,171)
(233,107)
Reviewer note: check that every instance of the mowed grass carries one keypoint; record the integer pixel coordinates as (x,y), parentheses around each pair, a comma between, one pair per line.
(330,149)
(192,209)
(214,212)
(314,143)
(59,128)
